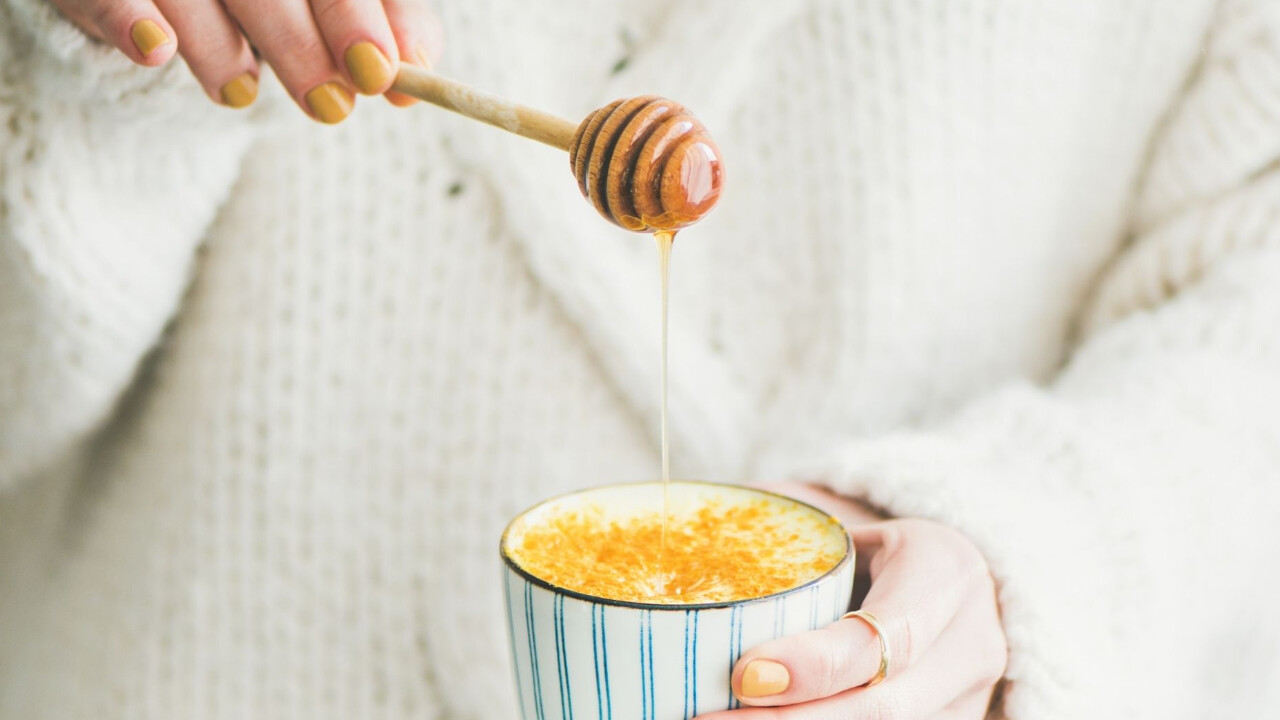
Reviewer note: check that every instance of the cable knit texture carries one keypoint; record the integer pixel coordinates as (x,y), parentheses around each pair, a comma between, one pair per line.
(269,390)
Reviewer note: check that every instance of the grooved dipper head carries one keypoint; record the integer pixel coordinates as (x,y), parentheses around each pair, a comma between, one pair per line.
(647,164)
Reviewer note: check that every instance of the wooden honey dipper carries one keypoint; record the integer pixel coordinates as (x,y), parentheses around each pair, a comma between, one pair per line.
(645,163)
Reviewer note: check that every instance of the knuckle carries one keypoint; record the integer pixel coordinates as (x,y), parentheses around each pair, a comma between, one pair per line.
(970,559)
(111,14)
(298,54)
(210,47)
(334,12)
(896,532)
(902,644)
(972,574)
(835,668)
(968,564)
(894,536)
(298,40)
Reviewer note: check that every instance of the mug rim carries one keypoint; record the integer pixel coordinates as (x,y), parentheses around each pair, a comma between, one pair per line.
(510,562)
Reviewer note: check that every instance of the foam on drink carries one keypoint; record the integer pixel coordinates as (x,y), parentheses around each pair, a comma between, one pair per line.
(723,544)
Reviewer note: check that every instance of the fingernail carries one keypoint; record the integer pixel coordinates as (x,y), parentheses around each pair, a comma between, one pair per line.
(330,102)
(240,92)
(762,678)
(147,36)
(369,68)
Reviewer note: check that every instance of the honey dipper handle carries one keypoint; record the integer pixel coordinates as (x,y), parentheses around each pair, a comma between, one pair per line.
(479,105)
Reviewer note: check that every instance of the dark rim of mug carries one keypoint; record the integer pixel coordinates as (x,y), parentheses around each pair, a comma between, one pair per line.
(511,563)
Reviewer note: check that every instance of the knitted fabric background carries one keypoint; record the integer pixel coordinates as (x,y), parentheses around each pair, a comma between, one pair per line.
(269,390)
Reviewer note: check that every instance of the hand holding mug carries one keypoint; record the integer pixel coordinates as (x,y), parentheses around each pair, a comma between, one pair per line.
(935,599)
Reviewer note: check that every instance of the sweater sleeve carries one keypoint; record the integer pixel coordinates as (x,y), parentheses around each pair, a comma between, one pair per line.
(109,175)
(1130,508)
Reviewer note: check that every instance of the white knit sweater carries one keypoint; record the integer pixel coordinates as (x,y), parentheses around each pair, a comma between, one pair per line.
(269,390)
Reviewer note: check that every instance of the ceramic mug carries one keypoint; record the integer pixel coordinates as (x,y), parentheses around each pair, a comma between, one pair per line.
(578,657)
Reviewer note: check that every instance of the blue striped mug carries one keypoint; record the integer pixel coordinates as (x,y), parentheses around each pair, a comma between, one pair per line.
(579,657)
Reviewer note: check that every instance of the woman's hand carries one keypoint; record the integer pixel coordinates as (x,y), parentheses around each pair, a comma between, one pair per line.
(932,592)
(321,50)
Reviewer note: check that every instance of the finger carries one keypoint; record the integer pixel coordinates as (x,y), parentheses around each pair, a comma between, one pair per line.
(360,40)
(417,59)
(419,38)
(908,699)
(286,35)
(417,29)
(72,11)
(215,50)
(914,594)
(960,668)
(915,561)
(136,27)
(903,700)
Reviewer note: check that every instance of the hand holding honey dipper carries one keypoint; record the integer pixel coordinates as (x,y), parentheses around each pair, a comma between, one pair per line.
(645,163)
(323,51)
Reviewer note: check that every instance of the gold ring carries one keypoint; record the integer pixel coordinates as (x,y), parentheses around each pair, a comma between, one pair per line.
(874,622)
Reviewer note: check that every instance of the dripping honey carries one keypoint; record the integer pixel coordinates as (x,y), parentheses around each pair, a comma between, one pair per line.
(666,240)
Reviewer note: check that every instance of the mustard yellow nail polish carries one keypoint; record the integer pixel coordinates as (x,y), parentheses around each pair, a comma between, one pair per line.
(369,68)
(147,36)
(240,91)
(762,678)
(330,102)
